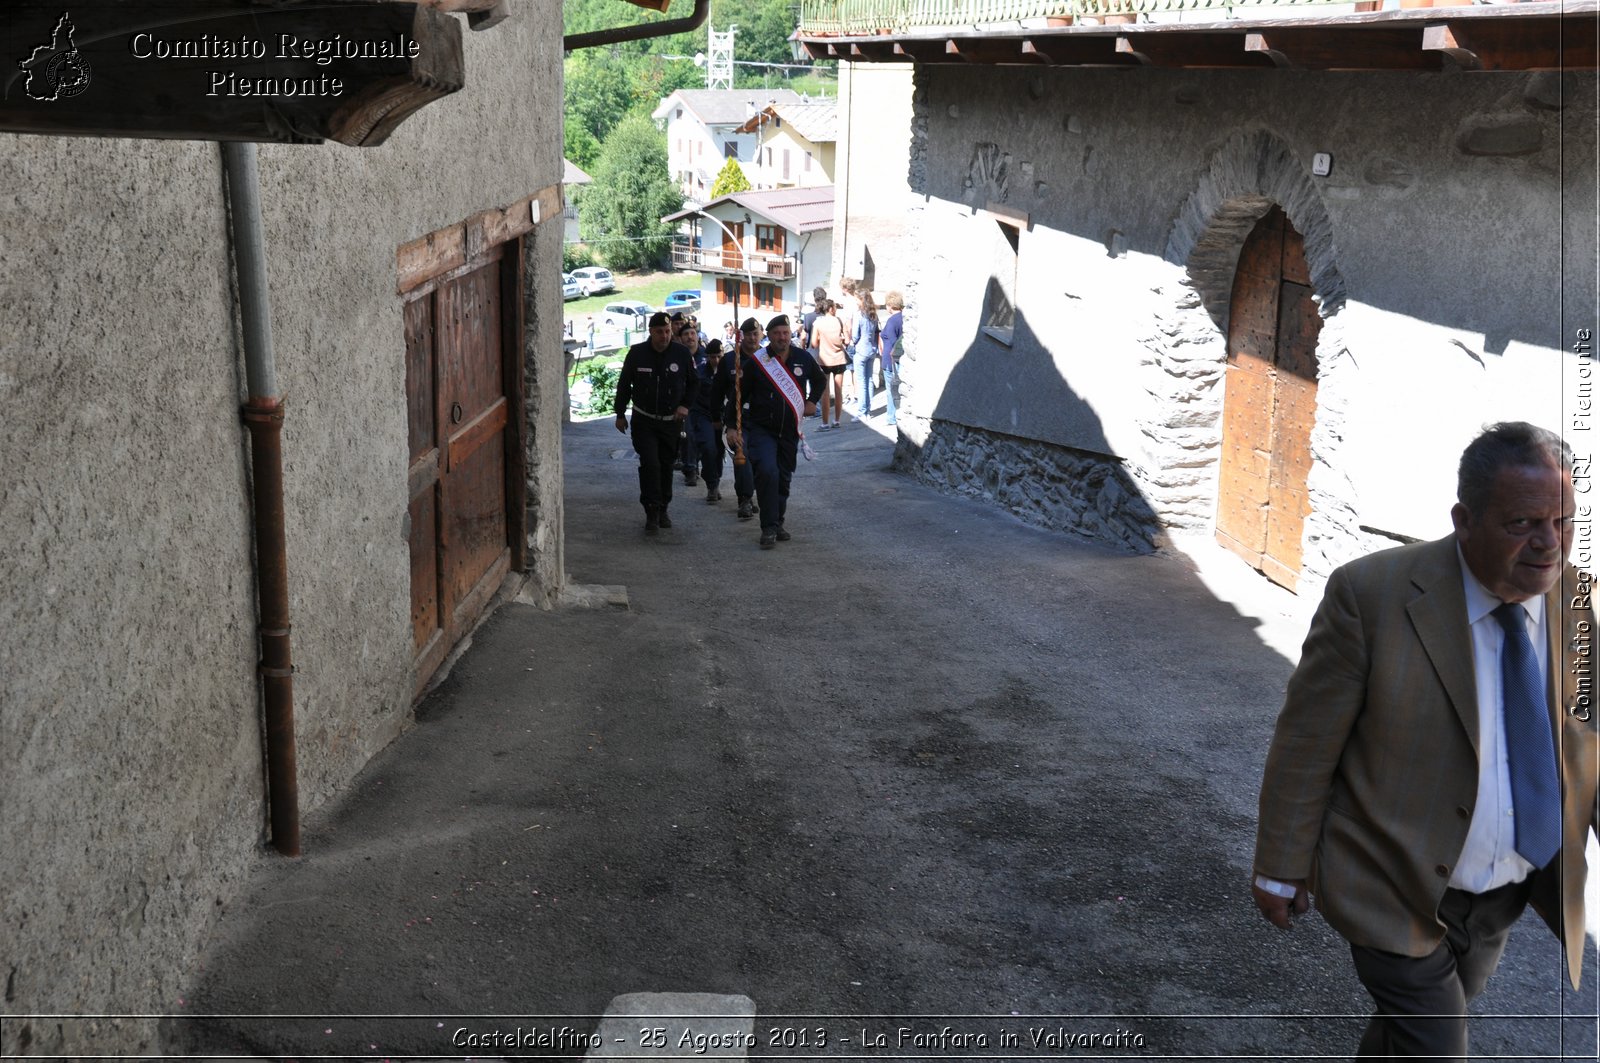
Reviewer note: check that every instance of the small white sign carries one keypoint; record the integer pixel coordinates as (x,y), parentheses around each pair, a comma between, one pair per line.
(1321,164)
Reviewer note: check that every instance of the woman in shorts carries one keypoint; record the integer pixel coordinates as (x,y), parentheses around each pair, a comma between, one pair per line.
(830,355)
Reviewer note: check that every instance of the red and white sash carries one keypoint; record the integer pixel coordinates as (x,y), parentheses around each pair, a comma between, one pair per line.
(778,373)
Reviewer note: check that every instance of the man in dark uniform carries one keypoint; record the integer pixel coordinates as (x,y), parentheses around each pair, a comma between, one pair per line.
(705,422)
(781,384)
(723,392)
(659,380)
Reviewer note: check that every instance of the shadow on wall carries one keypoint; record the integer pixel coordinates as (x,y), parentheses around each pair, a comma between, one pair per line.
(1082,490)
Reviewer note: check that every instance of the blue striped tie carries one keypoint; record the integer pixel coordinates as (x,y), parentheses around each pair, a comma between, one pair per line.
(1530,751)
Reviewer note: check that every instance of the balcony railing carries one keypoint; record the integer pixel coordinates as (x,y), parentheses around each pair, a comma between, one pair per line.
(855,17)
(717,260)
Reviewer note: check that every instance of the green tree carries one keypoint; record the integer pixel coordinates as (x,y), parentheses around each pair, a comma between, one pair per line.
(597,93)
(621,211)
(579,145)
(730,179)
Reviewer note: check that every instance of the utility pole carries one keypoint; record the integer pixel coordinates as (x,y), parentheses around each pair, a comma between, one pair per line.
(719,58)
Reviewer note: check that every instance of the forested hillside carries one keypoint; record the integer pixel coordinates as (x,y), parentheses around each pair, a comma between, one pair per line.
(604,85)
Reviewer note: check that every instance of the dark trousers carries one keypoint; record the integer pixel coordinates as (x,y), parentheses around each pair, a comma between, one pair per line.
(744,477)
(1441,983)
(773,459)
(705,446)
(656,443)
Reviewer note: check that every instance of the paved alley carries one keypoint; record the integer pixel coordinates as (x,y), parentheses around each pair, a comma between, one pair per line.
(923,760)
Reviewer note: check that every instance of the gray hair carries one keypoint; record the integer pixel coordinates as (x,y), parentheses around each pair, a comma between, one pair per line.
(1509,443)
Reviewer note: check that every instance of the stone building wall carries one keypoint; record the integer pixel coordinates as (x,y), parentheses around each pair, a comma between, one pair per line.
(1129,195)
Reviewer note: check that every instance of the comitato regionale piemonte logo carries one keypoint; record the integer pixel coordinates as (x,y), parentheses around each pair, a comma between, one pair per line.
(56,71)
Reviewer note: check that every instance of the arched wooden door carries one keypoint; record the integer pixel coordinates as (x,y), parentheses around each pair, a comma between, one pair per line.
(1270,402)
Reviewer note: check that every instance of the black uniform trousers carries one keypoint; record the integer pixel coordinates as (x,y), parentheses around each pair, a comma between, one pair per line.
(772,458)
(656,443)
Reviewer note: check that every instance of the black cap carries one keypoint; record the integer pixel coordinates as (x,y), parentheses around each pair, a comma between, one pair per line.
(658,318)
(750,325)
(781,320)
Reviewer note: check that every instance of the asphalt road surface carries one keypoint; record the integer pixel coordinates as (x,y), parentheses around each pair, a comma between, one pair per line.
(923,760)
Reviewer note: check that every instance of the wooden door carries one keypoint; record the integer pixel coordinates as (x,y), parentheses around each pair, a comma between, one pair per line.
(459,395)
(1270,402)
(733,246)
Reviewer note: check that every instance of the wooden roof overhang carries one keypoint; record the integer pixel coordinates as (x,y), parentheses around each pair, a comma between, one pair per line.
(1534,36)
(217,69)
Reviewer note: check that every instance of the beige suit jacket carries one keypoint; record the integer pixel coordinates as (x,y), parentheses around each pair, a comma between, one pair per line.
(1373,771)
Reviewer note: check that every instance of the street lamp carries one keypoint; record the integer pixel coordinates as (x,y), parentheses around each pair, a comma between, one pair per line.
(743,258)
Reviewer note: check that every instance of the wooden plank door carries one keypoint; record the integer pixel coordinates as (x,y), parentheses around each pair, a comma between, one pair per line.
(733,245)
(459,406)
(1270,402)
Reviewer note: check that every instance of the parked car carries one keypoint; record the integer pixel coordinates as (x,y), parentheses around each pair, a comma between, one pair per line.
(685,299)
(570,288)
(594,280)
(628,314)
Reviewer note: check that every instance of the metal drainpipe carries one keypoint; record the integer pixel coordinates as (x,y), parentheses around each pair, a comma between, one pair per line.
(263,416)
(692,21)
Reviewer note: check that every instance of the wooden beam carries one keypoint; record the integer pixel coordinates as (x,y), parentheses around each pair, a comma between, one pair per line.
(428,256)
(922,51)
(451,7)
(1564,44)
(995,51)
(344,70)
(1354,47)
(473,241)
(876,52)
(1526,36)
(1076,50)
(1191,50)
(489,18)
(1256,44)
(1443,38)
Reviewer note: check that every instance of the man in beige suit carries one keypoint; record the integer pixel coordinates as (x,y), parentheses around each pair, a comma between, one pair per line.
(1434,766)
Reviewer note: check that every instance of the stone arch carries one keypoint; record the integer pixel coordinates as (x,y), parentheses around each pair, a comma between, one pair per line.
(1247,175)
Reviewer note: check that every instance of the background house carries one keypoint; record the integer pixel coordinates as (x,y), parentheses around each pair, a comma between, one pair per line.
(1262,284)
(572,177)
(702,127)
(764,252)
(794,144)
(414,300)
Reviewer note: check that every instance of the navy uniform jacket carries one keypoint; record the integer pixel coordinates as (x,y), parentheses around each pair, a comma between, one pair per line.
(657,383)
(705,398)
(763,404)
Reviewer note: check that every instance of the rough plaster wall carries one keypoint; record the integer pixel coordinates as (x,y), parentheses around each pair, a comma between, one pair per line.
(340,344)
(1444,226)
(133,794)
(545,378)
(127,594)
(872,199)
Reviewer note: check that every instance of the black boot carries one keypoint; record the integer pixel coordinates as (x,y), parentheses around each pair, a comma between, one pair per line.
(663,519)
(652,519)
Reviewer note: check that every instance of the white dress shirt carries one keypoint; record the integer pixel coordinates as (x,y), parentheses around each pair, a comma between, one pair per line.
(1489,858)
